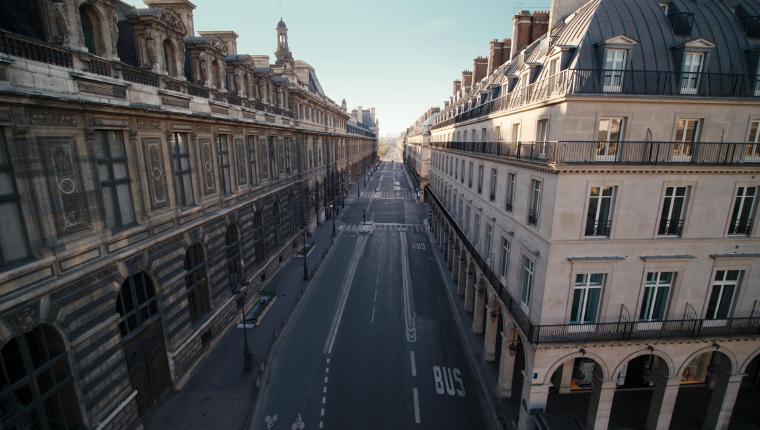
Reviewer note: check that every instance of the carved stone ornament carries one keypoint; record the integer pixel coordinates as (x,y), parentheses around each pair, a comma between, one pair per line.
(61,21)
(135,264)
(154,166)
(23,318)
(202,127)
(52,118)
(148,124)
(173,21)
(69,204)
(240,156)
(208,166)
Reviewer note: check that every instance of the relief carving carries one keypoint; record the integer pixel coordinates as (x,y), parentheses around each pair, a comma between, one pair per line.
(52,118)
(65,186)
(208,166)
(154,165)
(202,128)
(61,21)
(240,158)
(148,124)
(24,318)
(135,264)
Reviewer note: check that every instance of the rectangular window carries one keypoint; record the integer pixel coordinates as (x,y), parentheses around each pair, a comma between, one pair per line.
(599,216)
(263,158)
(224,163)
(614,63)
(469,176)
(287,155)
(461,178)
(743,212)
(511,180)
(542,135)
(515,137)
(587,294)
(724,288)
(691,71)
(494,179)
(687,134)
(113,175)
(656,295)
(456,169)
(497,133)
(527,280)
(752,149)
(14,246)
(183,181)
(673,213)
(504,260)
(610,134)
(480,179)
(484,134)
(272,150)
(250,142)
(476,231)
(553,69)
(535,202)
(488,243)
(467,220)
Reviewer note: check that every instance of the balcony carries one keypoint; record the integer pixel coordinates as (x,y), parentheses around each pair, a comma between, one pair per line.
(624,152)
(584,82)
(624,329)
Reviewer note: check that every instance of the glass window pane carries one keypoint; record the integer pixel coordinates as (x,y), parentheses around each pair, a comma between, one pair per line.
(117,145)
(120,170)
(13,244)
(125,203)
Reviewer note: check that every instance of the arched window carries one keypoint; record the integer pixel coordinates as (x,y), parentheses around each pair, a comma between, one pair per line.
(90,29)
(234,263)
(136,303)
(277,221)
(196,282)
(170,58)
(36,388)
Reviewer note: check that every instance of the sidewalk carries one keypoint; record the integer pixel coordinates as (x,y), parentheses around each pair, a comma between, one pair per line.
(220,394)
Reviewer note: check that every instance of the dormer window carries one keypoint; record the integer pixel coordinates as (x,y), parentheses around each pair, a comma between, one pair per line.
(614,64)
(664,7)
(691,71)
(757,78)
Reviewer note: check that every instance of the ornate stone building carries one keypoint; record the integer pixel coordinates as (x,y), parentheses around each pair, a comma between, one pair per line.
(595,196)
(149,176)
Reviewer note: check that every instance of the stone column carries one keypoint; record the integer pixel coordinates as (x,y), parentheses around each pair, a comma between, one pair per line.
(480,305)
(468,291)
(506,368)
(663,400)
(462,274)
(600,403)
(455,264)
(566,377)
(534,397)
(722,400)
(491,333)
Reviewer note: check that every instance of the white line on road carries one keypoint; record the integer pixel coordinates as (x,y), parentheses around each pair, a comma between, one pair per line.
(375,299)
(321,424)
(325,379)
(358,251)
(322,412)
(327,370)
(414,365)
(327,360)
(409,315)
(373,314)
(416,406)
(324,400)
(324,390)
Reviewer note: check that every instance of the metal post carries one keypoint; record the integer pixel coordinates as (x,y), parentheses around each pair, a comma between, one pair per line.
(305,265)
(332,214)
(247,355)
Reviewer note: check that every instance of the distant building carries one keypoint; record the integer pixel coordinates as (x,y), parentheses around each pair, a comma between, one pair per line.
(596,198)
(149,177)
(416,144)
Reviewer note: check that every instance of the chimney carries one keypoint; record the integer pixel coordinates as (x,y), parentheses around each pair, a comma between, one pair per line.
(183,8)
(229,38)
(528,27)
(561,9)
(457,87)
(495,58)
(480,66)
(466,79)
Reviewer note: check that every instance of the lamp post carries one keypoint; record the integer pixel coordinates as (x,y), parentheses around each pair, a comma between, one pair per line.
(240,300)
(332,214)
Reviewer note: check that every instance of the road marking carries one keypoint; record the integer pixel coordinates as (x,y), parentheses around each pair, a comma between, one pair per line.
(448,380)
(321,424)
(298,424)
(414,364)
(324,400)
(327,360)
(373,314)
(322,412)
(325,379)
(358,251)
(324,390)
(327,370)
(409,315)
(416,406)
(375,299)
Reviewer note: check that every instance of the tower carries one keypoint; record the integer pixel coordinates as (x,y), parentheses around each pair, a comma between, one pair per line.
(283,52)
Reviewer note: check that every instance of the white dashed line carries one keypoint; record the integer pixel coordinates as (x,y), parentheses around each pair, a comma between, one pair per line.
(321,424)
(327,370)
(324,390)
(327,360)
(322,412)
(416,405)
(325,379)
(373,314)
(375,299)
(414,365)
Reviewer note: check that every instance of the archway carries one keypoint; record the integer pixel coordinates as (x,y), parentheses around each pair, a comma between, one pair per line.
(469,288)
(143,340)
(479,307)
(706,383)
(746,413)
(644,393)
(512,361)
(583,377)
(170,58)
(36,387)
(92,31)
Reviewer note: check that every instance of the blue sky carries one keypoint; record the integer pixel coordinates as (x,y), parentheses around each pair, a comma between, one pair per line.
(397,55)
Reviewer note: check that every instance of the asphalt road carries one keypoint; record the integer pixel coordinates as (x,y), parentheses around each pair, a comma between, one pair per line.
(373,345)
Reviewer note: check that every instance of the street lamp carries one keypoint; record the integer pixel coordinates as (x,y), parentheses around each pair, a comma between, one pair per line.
(332,214)
(240,300)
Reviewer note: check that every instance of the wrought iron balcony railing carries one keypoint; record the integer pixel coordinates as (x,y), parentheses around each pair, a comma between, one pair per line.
(619,152)
(743,226)
(613,82)
(690,326)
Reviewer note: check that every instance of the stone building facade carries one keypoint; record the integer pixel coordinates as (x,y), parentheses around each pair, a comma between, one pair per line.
(150,178)
(416,144)
(595,198)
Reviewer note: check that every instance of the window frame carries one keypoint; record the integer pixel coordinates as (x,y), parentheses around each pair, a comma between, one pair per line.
(534,202)
(735,228)
(596,202)
(529,276)
(585,289)
(613,76)
(13,197)
(510,191)
(110,184)
(737,283)
(180,174)
(664,226)
(648,306)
